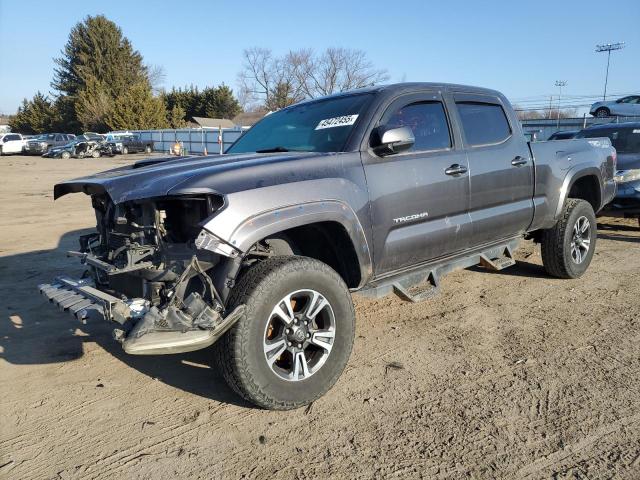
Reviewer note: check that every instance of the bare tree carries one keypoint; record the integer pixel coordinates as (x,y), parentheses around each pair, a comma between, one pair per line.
(156,76)
(280,81)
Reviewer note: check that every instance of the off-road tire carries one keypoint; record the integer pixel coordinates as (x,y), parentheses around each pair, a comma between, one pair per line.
(239,353)
(603,112)
(556,241)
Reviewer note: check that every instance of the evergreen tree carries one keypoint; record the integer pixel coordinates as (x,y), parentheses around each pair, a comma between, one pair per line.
(37,115)
(97,50)
(137,109)
(97,68)
(176,117)
(220,103)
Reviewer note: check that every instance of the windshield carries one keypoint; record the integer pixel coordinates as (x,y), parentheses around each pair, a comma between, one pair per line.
(320,126)
(624,139)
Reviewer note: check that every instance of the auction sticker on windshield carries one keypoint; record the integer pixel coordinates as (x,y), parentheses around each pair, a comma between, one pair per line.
(342,121)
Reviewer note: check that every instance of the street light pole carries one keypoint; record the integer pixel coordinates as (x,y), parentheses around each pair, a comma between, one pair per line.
(608,47)
(560,84)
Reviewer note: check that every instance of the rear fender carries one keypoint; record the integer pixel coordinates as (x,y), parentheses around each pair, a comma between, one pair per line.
(574,174)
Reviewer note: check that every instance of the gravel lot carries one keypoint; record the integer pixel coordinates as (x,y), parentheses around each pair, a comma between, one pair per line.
(504,375)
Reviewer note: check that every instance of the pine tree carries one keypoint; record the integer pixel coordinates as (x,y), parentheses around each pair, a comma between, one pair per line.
(220,103)
(98,67)
(176,117)
(97,50)
(37,115)
(137,109)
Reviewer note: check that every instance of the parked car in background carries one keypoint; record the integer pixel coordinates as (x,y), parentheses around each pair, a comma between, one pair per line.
(625,137)
(563,135)
(43,143)
(623,107)
(129,143)
(79,148)
(11,143)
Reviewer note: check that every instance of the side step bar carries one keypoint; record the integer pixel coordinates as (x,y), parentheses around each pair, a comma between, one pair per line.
(424,283)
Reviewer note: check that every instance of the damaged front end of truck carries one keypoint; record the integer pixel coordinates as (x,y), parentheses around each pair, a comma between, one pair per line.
(154,270)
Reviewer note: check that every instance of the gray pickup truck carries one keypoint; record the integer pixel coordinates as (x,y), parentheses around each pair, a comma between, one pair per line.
(376,191)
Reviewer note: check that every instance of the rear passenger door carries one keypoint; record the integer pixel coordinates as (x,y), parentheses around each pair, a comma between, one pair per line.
(418,197)
(500,168)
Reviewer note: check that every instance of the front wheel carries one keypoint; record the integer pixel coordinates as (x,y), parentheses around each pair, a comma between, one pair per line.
(568,247)
(295,337)
(602,112)
(95,154)
(65,155)
(125,150)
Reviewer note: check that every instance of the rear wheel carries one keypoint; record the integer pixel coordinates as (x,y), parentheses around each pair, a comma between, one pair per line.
(568,247)
(147,149)
(602,112)
(295,337)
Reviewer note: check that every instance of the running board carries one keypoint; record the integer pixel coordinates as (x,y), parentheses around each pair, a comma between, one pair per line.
(424,283)
(163,343)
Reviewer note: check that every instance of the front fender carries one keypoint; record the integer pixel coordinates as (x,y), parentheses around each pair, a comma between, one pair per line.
(252,215)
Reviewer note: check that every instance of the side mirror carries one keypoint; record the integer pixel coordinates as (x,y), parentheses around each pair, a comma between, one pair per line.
(395,140)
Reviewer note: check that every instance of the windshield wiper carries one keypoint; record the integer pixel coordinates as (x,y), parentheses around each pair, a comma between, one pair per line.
(273,149)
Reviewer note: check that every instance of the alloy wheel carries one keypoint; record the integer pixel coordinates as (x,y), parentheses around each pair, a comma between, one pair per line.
(299,335)
(581,240)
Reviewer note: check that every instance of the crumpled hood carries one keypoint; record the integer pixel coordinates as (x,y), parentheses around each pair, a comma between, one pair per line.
(171,176)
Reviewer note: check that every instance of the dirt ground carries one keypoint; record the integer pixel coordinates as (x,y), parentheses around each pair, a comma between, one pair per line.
(504,375)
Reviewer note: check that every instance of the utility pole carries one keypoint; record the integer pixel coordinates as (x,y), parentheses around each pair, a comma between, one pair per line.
(560,84)
(608,47)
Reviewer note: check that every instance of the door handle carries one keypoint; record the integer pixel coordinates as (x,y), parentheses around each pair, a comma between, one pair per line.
(456,169)
(519,161)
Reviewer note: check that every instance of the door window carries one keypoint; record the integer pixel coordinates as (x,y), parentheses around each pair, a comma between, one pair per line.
(483,123)
(427,121)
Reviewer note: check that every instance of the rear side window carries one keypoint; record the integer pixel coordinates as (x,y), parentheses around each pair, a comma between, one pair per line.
(483,123)
(427,121)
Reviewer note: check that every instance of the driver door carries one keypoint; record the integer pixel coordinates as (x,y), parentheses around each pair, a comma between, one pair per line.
(419,198)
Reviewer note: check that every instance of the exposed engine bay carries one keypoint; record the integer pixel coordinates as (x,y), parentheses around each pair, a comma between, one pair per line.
(151,267)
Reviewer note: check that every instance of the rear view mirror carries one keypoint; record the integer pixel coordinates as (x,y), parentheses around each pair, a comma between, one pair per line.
(395,140)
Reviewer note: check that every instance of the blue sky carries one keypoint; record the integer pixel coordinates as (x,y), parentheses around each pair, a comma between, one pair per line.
(520,48)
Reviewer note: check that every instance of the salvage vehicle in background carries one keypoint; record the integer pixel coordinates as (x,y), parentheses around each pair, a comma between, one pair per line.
(11,143)
(80,149)
(129,143)
(625,137)
(623,107)
(43,143)
(96,137)
(377,191)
